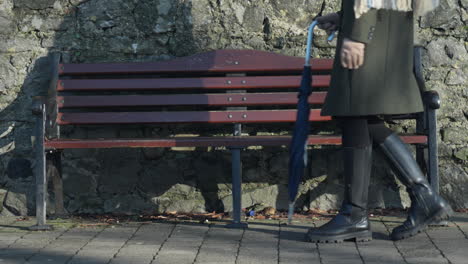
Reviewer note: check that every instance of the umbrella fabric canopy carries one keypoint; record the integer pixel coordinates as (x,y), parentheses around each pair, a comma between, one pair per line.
(298,152)
(298,148)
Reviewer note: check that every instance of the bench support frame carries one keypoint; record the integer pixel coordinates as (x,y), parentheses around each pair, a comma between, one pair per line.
(236,169)
(48,164)
(236,189)
(40,169)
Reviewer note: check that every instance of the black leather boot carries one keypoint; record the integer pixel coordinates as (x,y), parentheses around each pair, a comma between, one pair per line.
(426,205)
(351,223)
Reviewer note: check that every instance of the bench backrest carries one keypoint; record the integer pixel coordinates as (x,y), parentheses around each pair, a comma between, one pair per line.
(227,86)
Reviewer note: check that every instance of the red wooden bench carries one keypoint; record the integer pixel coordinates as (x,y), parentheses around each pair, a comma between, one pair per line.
(211,89)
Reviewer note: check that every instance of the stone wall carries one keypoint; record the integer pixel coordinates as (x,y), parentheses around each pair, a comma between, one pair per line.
(137,180)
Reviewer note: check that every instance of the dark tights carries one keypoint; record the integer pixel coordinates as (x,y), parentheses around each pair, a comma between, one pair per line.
(363,131)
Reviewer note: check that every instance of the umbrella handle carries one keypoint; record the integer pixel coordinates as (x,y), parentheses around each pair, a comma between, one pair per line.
(310,39)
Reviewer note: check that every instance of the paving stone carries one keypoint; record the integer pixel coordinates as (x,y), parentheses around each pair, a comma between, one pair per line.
(425,260)
(381,249)
(138,250)
(153,234)
(334,253)
(461,221)
(44,235)
(115,234)
(222,235)
(177,256)
(64,245)
(183,231)
(294,248)
(191,243)
(89,260)
(81,234)
(416,249)
(104,246)
(17,253)
(419,249)
(259,244)
(48,259)
(144,244)
(217,255)
(255,256)
(7,220)
(183,244)
(220,245)
(108,253)
(30,244)
(12,260)
(452,242)
(131,260)
(9,237)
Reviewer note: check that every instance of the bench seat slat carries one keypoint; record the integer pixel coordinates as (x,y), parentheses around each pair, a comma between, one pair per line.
(253,116)
(259,82)
(241,99)
(221,61)
(205,142)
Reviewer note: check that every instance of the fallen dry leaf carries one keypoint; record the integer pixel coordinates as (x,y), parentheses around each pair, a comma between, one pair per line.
(269,211)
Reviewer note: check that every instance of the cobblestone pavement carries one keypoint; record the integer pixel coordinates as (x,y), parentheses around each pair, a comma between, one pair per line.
(80,242)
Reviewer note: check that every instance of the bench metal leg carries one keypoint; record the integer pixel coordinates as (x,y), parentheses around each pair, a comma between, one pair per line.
(433,172)
(40,174)
(421,149)
(433,158)
(236,189)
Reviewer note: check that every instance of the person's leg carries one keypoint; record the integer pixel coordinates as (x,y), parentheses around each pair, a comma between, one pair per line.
(352,221)
(426,205)
(357,151)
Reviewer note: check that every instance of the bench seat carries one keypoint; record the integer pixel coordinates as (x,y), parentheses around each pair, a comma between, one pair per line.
(231,141)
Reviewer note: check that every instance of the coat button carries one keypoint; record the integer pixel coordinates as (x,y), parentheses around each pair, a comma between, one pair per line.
(371,33)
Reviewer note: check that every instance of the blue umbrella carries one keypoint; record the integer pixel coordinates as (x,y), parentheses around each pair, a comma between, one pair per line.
(298,148)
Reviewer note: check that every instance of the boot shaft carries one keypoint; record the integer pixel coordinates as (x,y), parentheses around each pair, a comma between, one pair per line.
(402,162)
(424,200)
(357,171)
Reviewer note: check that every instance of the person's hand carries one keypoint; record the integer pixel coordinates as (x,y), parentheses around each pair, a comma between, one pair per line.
(329,22)
(352,54)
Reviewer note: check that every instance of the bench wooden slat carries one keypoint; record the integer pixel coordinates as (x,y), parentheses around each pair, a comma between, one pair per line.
(221,61)
(205,142)
(253,116)
(190,83)
(241,99)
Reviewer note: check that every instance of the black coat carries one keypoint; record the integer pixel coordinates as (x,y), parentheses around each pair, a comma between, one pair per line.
(385,84)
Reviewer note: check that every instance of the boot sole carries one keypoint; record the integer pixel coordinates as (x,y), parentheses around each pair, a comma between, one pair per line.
(361,236)
(443,214)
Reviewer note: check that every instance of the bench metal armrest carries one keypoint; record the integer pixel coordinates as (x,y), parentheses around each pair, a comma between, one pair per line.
(417,70)
(37,105)
(431,99)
